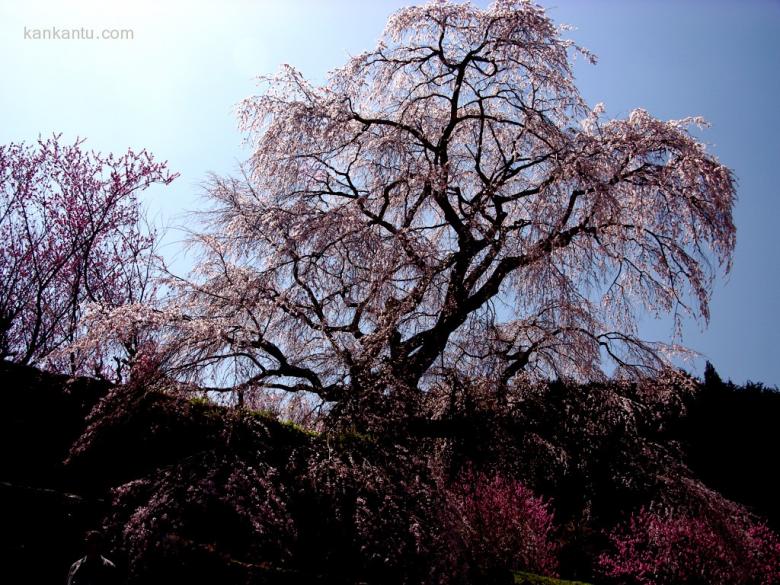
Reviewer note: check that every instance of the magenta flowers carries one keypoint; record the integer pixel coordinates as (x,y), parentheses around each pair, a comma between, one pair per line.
(70,227)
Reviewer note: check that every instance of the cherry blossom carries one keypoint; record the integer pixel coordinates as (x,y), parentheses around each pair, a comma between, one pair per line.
(447,202)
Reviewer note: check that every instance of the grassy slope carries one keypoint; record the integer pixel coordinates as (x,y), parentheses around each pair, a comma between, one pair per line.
(530,579)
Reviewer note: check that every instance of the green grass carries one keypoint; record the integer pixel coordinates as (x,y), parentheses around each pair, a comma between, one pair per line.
(299,428)
(530,579)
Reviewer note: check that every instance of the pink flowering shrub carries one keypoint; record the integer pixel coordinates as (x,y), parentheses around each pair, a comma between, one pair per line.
(504,525)
(658,548)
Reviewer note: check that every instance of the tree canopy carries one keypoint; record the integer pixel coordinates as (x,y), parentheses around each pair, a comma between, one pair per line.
(444,205)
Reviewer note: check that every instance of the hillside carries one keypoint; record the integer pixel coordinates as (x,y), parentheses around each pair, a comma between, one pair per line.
(189,490)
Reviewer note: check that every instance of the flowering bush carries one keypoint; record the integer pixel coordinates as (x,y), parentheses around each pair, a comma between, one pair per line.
(504,525)
(199,493)
(658,548)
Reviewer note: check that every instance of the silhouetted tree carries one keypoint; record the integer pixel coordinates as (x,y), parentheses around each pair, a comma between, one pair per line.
(447,202)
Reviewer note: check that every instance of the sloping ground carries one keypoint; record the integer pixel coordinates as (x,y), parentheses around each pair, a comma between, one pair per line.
(58,464)
(176,458)
(529,579)
(213,489)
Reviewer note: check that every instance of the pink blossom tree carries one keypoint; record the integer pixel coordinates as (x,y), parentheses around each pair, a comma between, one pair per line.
(72,233)
(448,202)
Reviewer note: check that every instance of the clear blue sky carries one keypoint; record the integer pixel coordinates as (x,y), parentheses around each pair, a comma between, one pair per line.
(172,89)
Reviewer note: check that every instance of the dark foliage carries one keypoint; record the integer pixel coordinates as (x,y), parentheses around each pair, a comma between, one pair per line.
(190,491)
(601,452)
(43,512)
(211,494)
(732,438)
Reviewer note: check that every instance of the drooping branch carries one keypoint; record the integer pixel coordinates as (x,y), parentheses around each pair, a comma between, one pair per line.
(447,201)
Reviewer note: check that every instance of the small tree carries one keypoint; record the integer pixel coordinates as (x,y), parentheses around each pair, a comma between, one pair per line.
(447,203)
(71,232)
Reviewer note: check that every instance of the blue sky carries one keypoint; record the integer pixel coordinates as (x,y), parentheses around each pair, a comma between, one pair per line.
(173,87)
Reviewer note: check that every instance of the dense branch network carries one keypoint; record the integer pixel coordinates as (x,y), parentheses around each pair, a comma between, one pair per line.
(447,203)
(72,233)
